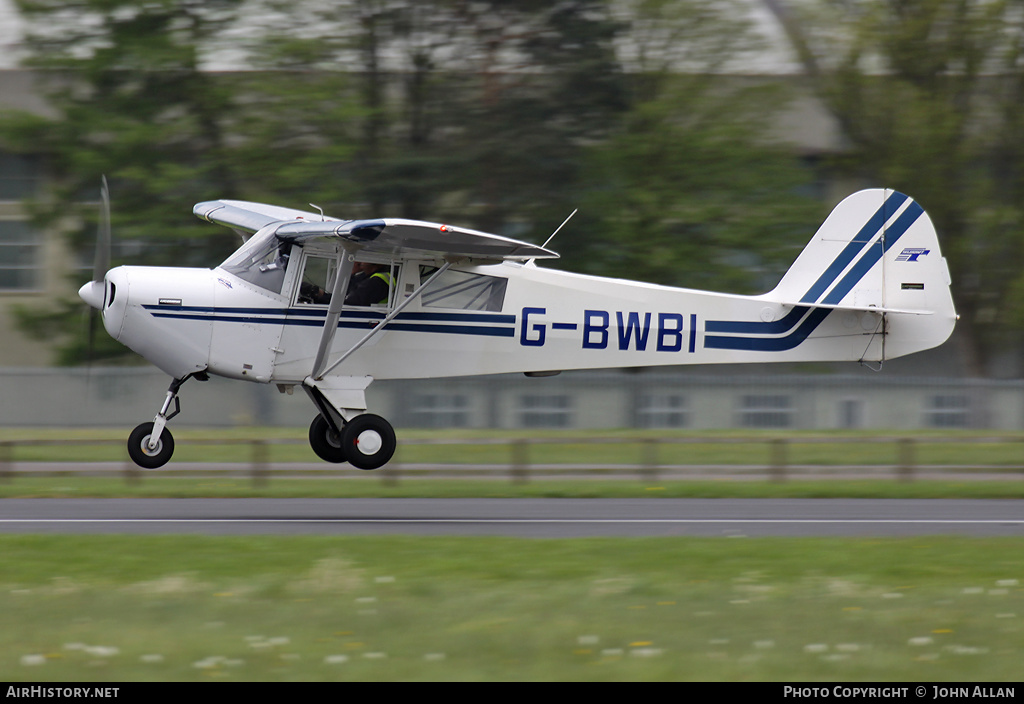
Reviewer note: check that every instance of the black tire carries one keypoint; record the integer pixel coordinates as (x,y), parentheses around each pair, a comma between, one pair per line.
(325,442)
(369,441)
(138,447)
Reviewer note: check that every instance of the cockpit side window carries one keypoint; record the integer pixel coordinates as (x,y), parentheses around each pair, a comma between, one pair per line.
(371,284)
(317,281)
(261,261)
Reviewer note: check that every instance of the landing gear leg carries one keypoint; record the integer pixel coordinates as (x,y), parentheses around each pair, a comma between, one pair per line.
(150,445)
(343,432)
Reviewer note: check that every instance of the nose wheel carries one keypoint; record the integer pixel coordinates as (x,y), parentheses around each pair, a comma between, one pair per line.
(144,452)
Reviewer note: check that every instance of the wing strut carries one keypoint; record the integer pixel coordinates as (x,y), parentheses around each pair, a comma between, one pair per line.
(380,326)
(341,278)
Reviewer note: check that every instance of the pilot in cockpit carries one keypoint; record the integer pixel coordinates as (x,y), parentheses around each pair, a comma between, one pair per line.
(370,283)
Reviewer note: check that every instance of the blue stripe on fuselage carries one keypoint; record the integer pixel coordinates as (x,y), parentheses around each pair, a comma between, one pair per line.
(493,325)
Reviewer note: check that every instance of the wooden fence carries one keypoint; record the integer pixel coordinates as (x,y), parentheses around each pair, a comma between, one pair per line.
(775,461)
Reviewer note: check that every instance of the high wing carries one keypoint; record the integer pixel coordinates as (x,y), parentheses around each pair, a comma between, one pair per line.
(412,238)
(251,217)
(395,237)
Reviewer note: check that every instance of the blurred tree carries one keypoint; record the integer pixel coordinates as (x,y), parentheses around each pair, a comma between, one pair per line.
(547,86)
(131,101)
(689,189)
(470,111)
(498,114)
(928,92)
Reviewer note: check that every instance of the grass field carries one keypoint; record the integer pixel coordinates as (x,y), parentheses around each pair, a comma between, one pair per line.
(188,608)
(173,608)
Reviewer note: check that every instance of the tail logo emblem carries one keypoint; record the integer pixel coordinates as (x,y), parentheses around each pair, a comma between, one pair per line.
(910,254)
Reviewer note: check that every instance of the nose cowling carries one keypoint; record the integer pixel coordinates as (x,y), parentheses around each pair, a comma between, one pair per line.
(160,314)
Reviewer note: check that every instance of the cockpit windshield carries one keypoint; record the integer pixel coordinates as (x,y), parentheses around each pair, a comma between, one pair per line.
(261,261)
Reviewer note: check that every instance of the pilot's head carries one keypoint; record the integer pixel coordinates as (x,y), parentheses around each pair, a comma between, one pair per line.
(366,267)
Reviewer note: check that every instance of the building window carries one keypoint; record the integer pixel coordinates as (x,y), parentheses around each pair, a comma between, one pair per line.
(439,411)
(19,176)
(766,411)
(851,413)
(20,257)
(948,411)
(662,411)
(545,411)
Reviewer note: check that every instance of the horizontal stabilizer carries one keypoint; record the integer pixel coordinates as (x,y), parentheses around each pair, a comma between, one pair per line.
(867,308)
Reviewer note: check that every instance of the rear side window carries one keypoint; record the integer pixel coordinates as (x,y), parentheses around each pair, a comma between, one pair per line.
(464,291)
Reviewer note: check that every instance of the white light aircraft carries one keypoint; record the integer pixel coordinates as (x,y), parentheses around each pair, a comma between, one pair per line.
(870,286)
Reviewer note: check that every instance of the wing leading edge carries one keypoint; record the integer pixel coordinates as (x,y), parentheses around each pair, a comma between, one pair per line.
(391,236)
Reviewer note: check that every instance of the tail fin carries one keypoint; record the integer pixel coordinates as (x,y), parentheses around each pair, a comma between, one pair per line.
(878,253)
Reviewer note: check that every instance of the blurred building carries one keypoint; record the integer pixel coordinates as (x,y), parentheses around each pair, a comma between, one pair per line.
(662,399)
(33,263)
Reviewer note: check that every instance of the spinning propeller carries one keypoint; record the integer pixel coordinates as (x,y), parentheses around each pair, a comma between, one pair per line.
(94,292)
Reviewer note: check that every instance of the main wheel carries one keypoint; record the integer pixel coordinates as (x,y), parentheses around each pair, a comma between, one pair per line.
(369,441)
(325,442)
(138,447)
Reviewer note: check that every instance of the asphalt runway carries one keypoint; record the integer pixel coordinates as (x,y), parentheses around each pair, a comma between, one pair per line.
(536,518)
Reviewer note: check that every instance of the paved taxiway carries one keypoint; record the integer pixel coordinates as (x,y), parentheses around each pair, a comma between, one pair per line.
(518,517)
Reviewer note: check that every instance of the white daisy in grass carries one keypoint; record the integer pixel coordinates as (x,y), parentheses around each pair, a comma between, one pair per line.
(102,651)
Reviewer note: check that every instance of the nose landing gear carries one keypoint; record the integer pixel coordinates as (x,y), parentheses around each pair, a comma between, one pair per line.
(150,445)
(144,451)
